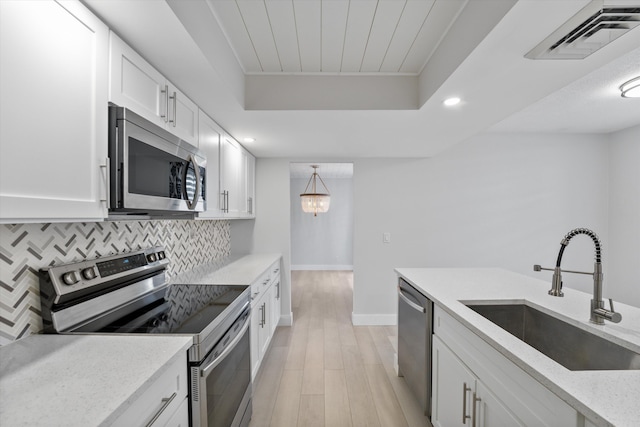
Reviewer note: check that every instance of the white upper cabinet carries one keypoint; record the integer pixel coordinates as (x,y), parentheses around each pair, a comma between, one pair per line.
(209,140)
(137,85)
(53,112)
(230,173)
(251,185)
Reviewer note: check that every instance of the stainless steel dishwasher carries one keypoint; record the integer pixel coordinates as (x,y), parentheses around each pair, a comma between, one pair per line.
(415,329)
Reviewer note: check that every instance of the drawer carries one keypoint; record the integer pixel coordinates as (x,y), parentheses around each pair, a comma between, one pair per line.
(161,400)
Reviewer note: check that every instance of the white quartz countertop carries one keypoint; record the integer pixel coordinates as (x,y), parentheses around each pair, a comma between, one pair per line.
(79,380)
(607,398)
(237,270)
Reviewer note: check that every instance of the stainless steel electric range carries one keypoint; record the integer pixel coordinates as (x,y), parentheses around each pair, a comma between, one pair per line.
(129,294)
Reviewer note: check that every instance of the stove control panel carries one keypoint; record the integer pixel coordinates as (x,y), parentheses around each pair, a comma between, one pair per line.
(81,276)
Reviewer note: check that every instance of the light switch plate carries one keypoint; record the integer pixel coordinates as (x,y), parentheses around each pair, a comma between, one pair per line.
(386,237)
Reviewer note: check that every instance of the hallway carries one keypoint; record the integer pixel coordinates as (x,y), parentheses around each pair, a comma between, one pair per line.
(324,371)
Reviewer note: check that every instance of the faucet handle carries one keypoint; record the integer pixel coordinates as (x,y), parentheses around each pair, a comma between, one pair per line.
(603,313)
(615,316)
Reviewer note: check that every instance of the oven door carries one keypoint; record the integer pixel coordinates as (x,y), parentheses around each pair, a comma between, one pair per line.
(221,383)
(152,170)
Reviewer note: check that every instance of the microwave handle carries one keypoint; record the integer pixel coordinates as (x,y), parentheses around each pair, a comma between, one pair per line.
(191,204)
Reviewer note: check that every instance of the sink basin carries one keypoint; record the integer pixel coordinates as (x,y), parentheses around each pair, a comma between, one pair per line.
(570,346)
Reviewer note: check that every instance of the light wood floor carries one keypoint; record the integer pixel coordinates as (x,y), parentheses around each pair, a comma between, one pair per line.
(323,371)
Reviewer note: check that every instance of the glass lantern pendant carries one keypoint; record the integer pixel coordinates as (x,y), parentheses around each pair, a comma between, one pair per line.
(314,201)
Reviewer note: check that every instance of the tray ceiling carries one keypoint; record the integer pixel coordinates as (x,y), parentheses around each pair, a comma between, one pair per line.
(334,36)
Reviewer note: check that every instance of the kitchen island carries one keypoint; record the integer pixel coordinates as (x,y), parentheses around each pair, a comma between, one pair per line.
(598,397)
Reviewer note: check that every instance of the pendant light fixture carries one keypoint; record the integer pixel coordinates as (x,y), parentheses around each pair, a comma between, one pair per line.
(313,201)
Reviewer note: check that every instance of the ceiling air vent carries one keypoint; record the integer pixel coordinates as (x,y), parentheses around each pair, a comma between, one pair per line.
(592,28)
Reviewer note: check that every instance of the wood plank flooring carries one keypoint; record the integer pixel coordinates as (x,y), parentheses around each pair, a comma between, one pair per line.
(323,371)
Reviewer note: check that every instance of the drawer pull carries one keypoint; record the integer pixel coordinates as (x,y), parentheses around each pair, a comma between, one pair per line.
(464,403)
(473,412)
(166,401)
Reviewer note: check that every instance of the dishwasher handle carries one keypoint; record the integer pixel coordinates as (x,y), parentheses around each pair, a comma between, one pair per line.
(410,303)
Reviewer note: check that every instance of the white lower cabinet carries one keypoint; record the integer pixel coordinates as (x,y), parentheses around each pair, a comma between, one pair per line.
(275,303)
(164,403)
(181,417)
(265,313)
(460,398)
(261,330)
(474,385)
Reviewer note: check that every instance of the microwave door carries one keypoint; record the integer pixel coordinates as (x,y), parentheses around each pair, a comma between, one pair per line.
(155,173)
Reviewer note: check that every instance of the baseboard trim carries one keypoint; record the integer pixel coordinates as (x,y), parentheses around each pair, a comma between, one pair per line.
(286,320)
(374,319)
(322,267)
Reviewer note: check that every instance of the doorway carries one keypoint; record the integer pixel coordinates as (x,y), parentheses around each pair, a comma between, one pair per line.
(325,241)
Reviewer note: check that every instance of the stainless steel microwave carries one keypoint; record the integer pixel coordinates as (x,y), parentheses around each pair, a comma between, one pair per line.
(151,171)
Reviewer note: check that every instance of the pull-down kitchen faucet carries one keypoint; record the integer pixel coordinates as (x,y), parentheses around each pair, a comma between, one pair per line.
(598,312)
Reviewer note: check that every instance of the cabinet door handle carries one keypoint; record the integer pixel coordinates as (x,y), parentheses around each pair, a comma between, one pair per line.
(165,402)
(165,92)
(175,101)
(464,403)
(107,184)
(473,410)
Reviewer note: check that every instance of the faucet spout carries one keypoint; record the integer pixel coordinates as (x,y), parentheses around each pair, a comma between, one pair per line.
(598,312)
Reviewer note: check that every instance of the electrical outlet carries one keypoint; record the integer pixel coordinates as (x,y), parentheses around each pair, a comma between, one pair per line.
(386,237)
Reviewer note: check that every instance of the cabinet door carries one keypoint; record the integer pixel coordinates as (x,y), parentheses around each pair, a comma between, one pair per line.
(453,386)
(53,112)
(275,304)
(250,176)
(256,320)
(183,116)
(265,329)
(230,167)
(490,411)
(181,417)
(135,84)
(209,143)
(161,399)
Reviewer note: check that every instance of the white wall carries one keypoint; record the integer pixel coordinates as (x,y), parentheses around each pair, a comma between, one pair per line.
(323,242)
(623,277)
(497,200)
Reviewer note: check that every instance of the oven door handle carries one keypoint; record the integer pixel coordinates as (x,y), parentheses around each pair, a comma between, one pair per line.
(211,366)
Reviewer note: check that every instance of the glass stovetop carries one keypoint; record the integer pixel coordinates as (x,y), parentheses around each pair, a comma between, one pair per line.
(186,309)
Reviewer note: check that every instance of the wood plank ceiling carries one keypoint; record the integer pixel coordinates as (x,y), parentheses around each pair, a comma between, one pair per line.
(335,36)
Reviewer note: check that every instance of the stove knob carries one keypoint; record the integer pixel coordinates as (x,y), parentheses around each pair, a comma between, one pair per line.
(152,257)
(161,255)
(89,273)
(71,278)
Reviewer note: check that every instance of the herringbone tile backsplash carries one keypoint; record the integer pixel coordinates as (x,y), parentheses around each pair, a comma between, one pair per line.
(26,248)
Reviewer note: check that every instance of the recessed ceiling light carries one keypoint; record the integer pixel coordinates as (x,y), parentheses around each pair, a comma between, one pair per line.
(450,102)
(631,89)
(249,139)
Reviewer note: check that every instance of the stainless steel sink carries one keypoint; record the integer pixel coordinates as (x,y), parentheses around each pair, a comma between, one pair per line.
(570,346)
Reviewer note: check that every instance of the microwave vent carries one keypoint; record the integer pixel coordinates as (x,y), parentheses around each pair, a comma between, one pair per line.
(591,29)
